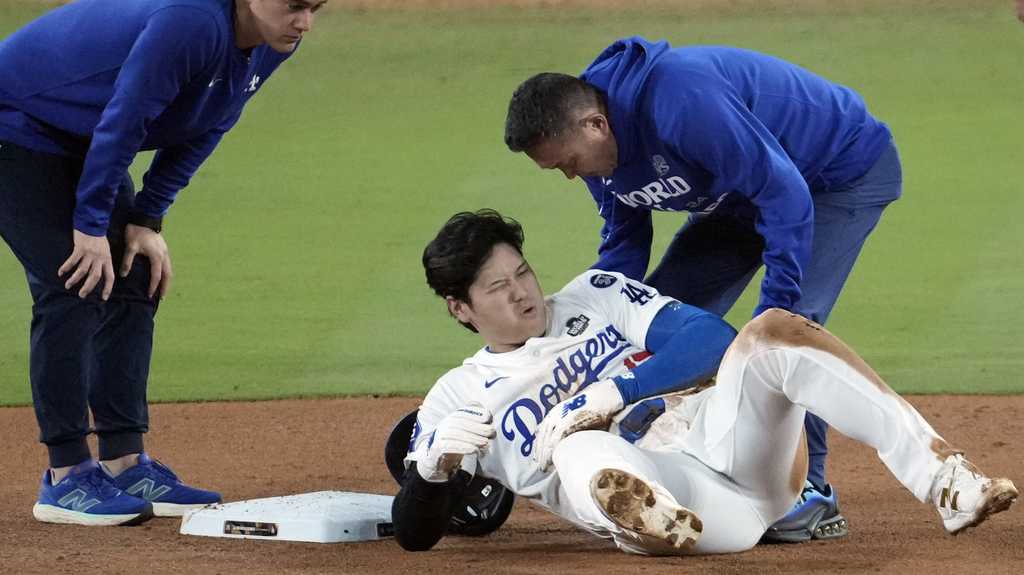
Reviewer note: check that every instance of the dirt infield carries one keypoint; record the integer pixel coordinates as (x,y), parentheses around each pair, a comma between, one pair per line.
(250,450)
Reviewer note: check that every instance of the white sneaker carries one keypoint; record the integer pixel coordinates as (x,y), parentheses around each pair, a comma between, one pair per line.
(647,511)
(964,497)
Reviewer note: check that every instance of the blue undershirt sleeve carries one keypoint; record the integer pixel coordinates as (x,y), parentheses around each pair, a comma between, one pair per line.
(687,344)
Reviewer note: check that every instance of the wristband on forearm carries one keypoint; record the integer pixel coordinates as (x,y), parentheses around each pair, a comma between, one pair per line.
(146,221)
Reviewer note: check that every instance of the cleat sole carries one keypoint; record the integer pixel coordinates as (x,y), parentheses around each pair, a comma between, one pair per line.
(633,505)
(1002,494)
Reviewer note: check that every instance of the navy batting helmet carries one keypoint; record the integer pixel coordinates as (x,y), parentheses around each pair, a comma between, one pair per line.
(485,504)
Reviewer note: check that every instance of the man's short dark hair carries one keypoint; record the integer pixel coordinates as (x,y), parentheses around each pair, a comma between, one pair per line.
(452,260)
(544,106)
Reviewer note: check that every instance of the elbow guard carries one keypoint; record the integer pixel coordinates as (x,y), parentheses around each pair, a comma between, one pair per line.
(422,510)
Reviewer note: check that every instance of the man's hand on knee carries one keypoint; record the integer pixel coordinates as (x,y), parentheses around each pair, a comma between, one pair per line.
(90,259)
(140,240)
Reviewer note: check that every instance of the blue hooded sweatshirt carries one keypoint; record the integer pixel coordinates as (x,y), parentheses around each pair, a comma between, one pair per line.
(707,128)
(103,79)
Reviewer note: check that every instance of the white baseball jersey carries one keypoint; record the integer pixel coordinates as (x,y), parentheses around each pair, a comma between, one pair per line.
(730,453)
(595,324)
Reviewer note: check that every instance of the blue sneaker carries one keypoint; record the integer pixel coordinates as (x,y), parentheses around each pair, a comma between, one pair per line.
(87,496)
(156,483)
(814,516)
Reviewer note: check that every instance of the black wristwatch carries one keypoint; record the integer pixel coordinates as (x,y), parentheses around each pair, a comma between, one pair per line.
(141,219)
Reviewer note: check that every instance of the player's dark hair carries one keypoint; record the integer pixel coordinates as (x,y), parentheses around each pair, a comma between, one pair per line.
(452,260)
(544,107)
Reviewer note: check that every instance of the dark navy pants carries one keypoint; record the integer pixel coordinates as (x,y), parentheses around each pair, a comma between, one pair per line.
(84,353)
(713,257)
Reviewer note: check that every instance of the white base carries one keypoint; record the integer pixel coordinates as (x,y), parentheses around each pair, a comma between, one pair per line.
(320,517)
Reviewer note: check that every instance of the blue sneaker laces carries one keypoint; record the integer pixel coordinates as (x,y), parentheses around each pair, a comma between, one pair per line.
(162,470)
(97,481)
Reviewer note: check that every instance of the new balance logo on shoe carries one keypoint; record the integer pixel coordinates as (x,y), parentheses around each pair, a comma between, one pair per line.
(964,497)
(153,482)
(952,501)
(88,496)
(78,500)
(147,489)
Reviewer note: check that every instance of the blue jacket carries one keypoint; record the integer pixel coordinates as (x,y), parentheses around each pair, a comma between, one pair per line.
(103,79)
(709,128)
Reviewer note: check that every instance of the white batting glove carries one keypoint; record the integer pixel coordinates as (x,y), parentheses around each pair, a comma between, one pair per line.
(591,408)
(463,432)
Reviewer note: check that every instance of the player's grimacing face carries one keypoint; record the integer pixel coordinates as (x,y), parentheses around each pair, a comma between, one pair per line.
(506,304)
(281,23)
(587,150)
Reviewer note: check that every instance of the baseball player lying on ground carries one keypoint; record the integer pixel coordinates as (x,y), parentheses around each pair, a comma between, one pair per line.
(542,409)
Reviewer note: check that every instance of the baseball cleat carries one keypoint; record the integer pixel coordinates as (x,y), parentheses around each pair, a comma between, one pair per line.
(965,498)
(155,482)
(87,496)
(814,516)
(646,510)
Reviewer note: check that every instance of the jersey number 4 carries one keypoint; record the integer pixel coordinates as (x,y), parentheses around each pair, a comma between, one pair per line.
(636,294)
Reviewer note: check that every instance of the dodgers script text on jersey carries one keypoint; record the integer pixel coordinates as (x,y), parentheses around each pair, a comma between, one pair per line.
(596,323)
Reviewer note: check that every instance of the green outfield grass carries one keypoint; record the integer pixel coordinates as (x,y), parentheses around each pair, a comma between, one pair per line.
(296,249)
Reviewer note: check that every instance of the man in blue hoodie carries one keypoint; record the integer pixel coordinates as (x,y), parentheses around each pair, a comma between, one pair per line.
(774,164)
(82,90)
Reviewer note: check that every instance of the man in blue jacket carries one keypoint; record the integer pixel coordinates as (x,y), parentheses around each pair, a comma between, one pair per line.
(82,90)
(774,164)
